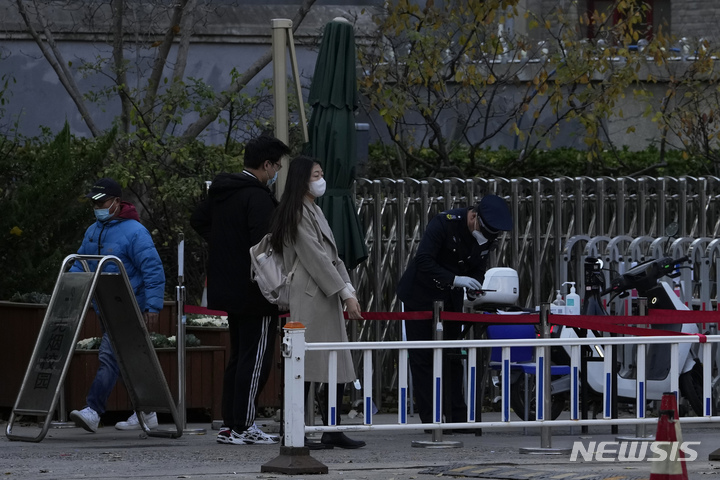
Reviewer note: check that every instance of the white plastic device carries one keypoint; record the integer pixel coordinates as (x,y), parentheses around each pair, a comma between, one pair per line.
(500,287)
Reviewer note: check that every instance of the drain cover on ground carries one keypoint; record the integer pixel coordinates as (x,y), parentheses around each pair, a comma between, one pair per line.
(511,472)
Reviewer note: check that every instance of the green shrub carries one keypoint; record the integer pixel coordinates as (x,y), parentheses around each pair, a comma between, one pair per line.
(42,182)
(384,162)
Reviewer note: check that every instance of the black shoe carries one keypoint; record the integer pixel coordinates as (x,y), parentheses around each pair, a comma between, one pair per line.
(317,445)
(339,439)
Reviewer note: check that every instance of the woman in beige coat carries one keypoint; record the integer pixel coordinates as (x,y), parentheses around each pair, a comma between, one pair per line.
(320,287)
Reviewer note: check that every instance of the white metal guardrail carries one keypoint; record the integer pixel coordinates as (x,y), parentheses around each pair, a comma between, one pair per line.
(294,349)
(558,222)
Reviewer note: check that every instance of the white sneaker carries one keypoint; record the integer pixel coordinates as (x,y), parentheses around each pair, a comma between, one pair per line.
(86,418)
(224,435)
(133,423)
(251,436)
(256,429)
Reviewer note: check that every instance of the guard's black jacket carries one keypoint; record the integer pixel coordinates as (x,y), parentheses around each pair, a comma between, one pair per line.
(447,249)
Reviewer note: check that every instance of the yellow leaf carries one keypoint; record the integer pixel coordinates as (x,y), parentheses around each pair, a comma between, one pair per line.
(16,231)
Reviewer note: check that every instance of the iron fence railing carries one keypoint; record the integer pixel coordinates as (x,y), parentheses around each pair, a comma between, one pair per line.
(558,222)
(553,218)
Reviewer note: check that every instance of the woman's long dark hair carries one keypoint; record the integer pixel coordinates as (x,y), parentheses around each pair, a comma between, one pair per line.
(287,215)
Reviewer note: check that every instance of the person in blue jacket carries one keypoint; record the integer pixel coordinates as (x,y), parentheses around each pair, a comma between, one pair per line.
(117,231)
(451,257)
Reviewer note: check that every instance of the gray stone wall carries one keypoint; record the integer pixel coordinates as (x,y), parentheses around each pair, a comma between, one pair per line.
(235,34)
(695,18)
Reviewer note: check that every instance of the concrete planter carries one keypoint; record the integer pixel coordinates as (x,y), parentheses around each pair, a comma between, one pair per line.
(20,324)
(203,376)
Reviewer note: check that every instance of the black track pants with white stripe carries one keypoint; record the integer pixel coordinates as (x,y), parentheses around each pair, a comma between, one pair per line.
(252,344)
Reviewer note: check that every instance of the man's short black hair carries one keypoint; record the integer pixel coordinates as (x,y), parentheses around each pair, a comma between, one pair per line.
(262,148)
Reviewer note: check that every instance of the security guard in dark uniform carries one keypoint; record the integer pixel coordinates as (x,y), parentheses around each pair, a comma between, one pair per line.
(452,255)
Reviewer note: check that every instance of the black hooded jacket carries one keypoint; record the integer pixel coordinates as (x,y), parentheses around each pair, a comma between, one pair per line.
(235,216)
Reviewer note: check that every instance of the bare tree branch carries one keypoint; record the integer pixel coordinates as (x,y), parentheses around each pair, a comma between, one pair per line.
(57,62)
(161,59)
(187,14)
(212,112)
(118,9)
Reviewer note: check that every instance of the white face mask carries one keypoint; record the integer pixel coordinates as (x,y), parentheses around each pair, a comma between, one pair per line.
(317,188)
(103,214)
(479,237)
(271,180)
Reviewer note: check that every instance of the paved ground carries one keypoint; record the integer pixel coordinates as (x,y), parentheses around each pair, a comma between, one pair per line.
(72,453)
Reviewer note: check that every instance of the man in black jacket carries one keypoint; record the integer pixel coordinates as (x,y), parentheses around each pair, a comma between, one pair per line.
(235,216)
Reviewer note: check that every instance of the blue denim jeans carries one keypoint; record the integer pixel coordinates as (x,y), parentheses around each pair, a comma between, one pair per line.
(105,378)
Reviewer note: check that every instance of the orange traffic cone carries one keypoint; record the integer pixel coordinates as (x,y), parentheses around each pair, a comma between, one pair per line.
(669,437)
(669,402)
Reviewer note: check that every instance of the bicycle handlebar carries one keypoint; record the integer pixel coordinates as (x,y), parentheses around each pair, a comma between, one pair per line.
(645,275)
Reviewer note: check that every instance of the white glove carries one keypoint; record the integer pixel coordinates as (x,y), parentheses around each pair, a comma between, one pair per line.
(467,282)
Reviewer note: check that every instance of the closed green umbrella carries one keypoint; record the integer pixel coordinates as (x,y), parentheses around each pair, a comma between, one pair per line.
(333,97)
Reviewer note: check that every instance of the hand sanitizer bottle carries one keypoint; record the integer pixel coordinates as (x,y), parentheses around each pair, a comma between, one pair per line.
(558,305)
(572,301)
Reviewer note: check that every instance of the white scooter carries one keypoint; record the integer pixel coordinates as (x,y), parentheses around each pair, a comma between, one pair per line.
(646,279)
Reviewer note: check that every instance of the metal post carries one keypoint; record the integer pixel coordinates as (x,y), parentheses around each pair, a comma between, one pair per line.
(515,208)
(62,421)
(620,210)
(180,299)
(641,206)
(437,434)
(537,241)
(377,254)
(545,435)
(600,208)
(293,347)
(640,435)
(558,227)
(294,456)
(544,384)
(701,207)
(682,210)
(181,354)
(578,189)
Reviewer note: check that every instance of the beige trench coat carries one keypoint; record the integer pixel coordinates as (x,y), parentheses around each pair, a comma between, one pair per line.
(314,293)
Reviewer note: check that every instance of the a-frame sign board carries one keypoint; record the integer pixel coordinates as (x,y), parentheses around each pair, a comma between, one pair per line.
(122,321)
